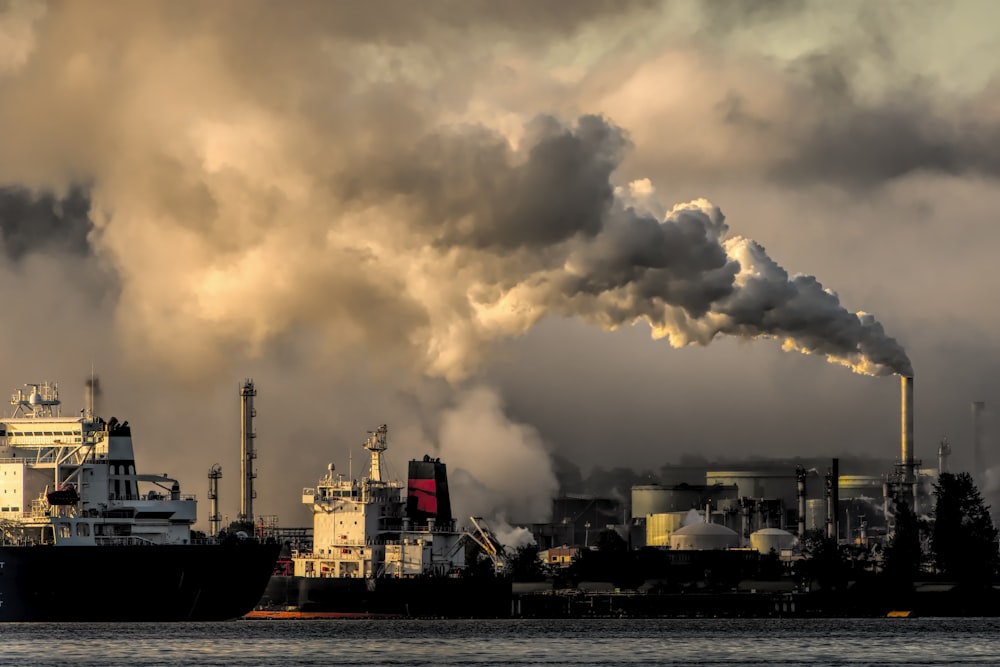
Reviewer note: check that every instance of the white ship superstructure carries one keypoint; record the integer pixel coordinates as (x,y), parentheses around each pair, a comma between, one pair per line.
(73,480)
(361,528)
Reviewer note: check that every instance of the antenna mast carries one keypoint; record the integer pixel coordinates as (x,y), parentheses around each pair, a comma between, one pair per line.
(376,445)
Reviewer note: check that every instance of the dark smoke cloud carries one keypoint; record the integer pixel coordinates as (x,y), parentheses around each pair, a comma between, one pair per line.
(599,258)
(31,222)
(560,189)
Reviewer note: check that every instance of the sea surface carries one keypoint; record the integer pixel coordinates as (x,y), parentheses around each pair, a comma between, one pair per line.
(925,641)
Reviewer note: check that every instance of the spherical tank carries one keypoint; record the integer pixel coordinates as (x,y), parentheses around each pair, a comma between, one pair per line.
(703,537)
(658,499)
(766,539)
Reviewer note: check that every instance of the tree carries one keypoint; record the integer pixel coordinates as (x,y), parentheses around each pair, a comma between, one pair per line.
(964,539)
(903,554)
(526,565)
(822,562)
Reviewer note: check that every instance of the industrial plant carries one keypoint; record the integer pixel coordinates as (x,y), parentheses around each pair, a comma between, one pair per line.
(714,533)
(808,536)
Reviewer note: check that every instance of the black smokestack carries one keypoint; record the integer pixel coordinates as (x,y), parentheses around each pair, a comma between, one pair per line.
(427,495)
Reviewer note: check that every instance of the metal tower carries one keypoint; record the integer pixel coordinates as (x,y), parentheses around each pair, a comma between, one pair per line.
(214,518)
(247,453)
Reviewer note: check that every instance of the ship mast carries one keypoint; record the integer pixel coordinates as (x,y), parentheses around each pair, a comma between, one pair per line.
(376,445)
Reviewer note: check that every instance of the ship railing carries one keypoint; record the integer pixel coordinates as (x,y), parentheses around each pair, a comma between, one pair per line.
(122,540)
(158,496)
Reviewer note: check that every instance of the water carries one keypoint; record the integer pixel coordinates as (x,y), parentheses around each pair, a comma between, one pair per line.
(784,642)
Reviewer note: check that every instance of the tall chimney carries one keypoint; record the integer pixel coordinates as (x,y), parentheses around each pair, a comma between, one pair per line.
(214,518)
(944,451)
(906,428)
(800,492)
(247,453)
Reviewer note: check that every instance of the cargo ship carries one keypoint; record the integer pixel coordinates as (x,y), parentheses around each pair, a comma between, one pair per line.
(84,537)
(377,552)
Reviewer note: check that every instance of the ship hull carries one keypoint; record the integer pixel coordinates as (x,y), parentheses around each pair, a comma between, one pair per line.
(195,582)
(446,597)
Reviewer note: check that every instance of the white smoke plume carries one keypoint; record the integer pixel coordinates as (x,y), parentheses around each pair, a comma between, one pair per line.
(496,468)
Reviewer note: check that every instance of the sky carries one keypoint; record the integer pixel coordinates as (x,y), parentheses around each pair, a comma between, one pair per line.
(523,235)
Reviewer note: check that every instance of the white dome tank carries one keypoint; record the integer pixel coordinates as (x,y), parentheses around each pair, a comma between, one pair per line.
(703,537)
(771,538)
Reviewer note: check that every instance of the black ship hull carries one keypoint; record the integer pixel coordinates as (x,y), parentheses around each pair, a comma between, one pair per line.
(443,597)
(196,582)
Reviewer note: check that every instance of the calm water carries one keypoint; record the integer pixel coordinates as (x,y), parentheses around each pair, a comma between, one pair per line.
(567,642)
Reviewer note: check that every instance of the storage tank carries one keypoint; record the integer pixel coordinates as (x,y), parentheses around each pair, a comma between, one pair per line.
(703,537)
(776,483)
(766,539)
(659,527)
(860,486)
(659,499)
(815,514)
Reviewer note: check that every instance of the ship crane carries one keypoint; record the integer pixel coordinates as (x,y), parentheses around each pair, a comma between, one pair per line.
(489,543)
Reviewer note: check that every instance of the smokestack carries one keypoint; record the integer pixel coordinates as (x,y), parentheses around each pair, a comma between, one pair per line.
(829,503)
(906,427)
(214,518)
(944,451)
(247,453)
(978,456)
(800,485)
(835,493)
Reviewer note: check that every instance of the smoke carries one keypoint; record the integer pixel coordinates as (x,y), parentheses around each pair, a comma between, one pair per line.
(497,468)
(218,181)
(330,182)
(692,517)
(43,223)
(512,537)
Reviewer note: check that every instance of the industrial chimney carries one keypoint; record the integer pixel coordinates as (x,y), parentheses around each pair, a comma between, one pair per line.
(800,494)
(247,453)
(944,451)
(906,429)
(214,518)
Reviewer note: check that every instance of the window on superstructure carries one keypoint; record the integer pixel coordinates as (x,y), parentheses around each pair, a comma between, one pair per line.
(47,433)
(64,530)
